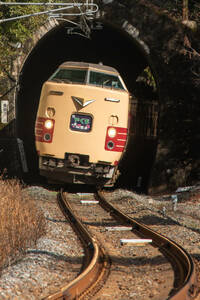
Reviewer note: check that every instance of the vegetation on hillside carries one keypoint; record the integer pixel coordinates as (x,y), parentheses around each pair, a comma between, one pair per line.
(13,35)
(180,9)
(15,32)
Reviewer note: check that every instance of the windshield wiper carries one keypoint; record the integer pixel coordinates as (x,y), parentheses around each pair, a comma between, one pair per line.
(61,80)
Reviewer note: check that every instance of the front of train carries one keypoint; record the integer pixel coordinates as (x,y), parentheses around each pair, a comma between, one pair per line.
(81,127)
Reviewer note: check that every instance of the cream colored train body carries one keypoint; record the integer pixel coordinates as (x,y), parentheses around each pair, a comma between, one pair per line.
(81,127)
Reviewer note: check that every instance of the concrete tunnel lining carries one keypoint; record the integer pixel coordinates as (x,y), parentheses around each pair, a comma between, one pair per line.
(112,46)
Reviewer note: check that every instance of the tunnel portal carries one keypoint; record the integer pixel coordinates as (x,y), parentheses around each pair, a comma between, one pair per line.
(130,37)
(108,44)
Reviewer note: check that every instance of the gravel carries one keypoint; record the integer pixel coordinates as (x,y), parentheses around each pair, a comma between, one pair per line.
(136,272)
(55,261)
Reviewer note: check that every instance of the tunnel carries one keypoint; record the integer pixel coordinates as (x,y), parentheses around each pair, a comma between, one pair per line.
(107,44)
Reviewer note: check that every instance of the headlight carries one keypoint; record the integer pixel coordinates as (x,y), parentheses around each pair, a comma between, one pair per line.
(48,124)
(112,132)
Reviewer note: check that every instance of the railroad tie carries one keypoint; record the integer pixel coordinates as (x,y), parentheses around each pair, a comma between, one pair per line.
(135,242)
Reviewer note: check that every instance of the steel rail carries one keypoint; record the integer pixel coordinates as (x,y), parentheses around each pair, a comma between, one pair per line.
(96,264)
(186,279)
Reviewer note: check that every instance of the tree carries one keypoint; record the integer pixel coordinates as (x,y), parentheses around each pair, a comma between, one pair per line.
(14,33)
(185,10)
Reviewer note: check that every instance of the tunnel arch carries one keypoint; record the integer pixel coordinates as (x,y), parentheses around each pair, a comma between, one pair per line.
(110,44)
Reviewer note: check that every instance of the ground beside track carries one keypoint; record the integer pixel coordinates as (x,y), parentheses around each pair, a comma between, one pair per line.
(39,274)
(56,260)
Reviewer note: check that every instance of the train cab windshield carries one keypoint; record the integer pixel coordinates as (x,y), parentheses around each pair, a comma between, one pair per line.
(69,75)
(79,76)
(105,80)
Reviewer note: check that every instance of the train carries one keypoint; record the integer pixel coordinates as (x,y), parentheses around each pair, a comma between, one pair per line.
(81,127)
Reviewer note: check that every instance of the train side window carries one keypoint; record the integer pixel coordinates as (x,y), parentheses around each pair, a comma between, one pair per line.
(69,76)
(105,80)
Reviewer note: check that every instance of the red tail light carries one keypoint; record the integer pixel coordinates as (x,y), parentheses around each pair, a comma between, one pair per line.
(116,138)
(44,128)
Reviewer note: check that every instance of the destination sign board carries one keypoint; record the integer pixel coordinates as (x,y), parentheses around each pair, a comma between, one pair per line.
(80,122)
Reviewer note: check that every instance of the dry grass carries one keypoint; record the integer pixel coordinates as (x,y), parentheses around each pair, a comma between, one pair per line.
(21,222)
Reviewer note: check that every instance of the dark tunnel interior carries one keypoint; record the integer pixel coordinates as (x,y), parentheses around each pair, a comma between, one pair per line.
(109,45)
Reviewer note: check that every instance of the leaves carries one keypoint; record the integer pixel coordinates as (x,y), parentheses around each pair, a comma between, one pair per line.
(16,31)
(13,34)
(9,28)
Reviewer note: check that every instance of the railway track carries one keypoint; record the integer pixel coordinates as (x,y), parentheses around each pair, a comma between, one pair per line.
(96,266)
(185,284)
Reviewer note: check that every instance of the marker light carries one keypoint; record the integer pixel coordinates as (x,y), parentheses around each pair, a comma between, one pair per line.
(50,112)
(110,145)
(48,124)
(44,129)
(116,138)
(112,132)
(47,137)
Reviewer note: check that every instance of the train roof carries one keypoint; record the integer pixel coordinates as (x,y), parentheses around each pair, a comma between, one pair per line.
(88,66)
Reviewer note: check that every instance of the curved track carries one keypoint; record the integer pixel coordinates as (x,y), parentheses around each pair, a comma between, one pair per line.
(185,285)
(96,266)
